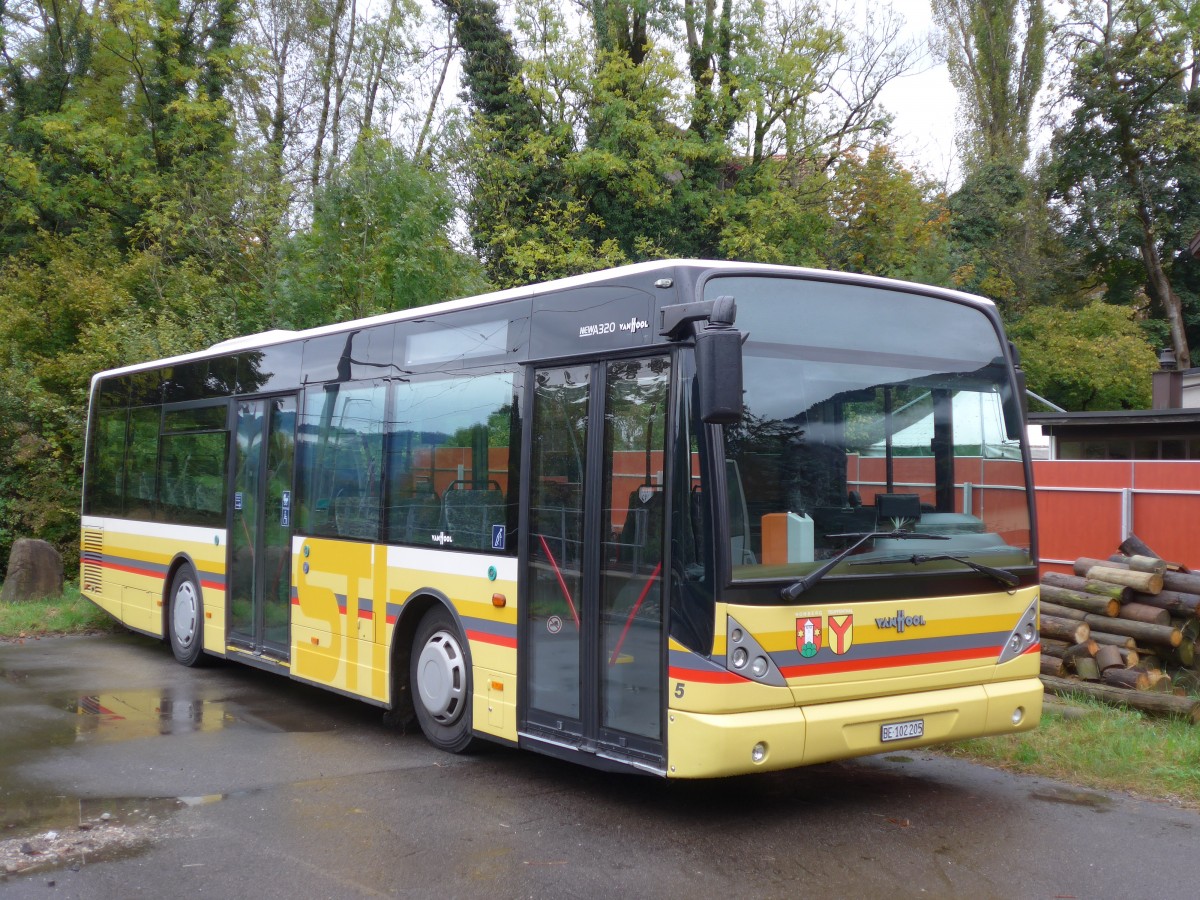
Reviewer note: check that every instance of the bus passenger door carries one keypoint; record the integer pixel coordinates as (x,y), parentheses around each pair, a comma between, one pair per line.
(593,627)
(259,612)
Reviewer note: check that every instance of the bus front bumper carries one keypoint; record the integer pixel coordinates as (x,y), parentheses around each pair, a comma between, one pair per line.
(708,746)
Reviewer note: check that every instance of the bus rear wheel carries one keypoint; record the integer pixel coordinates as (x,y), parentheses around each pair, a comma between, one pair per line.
(441,681)
(184,618)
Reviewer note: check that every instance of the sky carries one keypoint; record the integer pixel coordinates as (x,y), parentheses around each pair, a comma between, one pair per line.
(924,103)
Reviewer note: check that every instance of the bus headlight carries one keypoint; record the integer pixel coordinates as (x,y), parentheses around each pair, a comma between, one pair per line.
(1024,636)
(747,657)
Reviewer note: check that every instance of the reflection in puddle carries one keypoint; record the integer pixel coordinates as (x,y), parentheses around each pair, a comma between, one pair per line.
(136,714)
(129,715)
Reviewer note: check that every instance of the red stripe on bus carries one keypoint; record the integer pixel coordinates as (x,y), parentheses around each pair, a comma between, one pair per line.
(498,639)
(705,676)
(212,585)
(133,570)
(891,662)
(365,614)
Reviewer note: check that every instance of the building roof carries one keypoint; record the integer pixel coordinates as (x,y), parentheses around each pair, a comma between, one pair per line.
(1170,417)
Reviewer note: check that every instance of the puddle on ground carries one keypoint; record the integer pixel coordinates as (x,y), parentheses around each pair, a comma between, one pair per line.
(1098,802)
(39,832)
(27,813)
(129,715)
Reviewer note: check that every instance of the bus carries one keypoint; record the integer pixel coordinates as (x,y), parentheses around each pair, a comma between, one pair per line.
(687,518)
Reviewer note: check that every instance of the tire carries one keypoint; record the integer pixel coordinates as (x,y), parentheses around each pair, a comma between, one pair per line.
(440,676)
(185,617)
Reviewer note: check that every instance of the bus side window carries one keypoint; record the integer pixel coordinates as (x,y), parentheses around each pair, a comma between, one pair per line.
(451,443)
(341,460)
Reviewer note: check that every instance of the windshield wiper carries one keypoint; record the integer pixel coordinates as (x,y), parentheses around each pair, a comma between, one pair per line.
(1005,577)
(796,588)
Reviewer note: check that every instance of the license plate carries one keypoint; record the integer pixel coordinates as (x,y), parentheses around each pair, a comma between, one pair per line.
(902,731)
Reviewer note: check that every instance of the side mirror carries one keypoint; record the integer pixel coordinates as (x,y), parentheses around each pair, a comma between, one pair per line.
(719,366)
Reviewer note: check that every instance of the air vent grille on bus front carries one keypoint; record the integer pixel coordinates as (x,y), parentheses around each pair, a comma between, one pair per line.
(91,568)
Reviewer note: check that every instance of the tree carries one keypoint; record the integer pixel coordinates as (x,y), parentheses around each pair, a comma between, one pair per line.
(1126,158)
(995,51)
(887,221)
(1091,358)
(378,242)
(996,54)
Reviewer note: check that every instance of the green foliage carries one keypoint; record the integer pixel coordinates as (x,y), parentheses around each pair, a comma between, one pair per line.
(996,54)
(378,242)
(1127,160)
(1005,244)
(71,613)
(1101,747)
(887,221)
(1092,358)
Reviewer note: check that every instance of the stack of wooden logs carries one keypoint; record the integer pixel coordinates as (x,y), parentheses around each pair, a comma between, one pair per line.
(1119,627)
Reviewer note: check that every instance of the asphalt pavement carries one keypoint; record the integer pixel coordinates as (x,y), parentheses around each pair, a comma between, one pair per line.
(123,774)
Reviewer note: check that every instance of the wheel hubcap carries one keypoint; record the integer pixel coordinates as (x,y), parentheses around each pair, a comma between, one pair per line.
(442,678)
(184,614)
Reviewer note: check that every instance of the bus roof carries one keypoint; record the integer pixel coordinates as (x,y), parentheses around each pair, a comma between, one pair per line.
(699,266)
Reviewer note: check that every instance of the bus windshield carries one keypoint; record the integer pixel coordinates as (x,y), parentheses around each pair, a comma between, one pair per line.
(870,410)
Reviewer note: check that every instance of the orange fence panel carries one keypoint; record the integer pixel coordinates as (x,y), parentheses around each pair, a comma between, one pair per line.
(1086,508)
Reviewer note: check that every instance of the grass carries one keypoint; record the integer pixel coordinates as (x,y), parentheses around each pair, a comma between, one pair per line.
(1108,748)
(70,613)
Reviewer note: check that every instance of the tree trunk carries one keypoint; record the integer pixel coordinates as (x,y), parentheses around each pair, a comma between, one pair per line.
(1145,582)
(1065,629)
(1052,666)
(1093,603)
(1176,602)
(1126,678)
(1156,635)
(1117,640)
(1108,657)
(1086,668)
(1146,564)
(1158,704)
(1140,612)
(1118,592)
(1158,286)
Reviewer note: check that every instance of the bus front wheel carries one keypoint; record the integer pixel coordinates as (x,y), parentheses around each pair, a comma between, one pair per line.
(441,680)
(185,618)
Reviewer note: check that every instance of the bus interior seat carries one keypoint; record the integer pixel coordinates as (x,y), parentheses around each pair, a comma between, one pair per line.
(898,507)
(470,512)
(641,535)
(356,515)
(415,518)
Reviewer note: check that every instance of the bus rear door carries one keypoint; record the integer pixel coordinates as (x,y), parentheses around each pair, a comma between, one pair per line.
(259,613)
